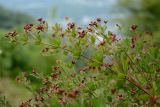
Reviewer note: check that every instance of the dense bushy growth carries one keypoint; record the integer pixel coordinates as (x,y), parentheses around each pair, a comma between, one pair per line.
(94,68)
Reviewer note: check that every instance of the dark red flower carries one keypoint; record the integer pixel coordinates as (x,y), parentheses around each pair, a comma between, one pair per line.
(54,76)
(71,25)
(55,68)
(40,19)
(40,28)
(134,27)
(28,27)
(112,37)
(82,33)
(73,62)
(11,34)
(98,19)
(102,43)
(93,23)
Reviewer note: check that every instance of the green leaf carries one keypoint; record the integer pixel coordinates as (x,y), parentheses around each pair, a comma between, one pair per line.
(93,39)
(56,42)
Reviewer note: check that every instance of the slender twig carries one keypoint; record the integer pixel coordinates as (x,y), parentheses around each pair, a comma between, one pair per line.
(131,80)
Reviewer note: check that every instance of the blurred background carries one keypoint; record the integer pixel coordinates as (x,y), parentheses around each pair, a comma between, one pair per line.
(15,13)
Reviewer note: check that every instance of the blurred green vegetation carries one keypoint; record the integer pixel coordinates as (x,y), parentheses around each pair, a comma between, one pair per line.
(10,19)
(145,13)
(15,59)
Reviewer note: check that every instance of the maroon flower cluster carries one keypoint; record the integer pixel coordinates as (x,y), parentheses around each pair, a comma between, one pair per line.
(11,34)
(28,27)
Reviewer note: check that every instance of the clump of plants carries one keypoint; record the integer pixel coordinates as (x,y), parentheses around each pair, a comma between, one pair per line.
(94,68)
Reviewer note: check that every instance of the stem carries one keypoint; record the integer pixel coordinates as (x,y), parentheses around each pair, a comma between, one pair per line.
(131,80)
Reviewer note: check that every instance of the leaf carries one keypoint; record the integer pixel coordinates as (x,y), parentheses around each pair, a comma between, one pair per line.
(93,39)
(56,42)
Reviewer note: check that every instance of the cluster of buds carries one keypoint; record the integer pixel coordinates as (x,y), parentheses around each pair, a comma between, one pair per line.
(98,20)
(82,33)
(11,34)
(134,27)
(26,103)
(54,75)
(28,27)
(55,68)
(93,24)
(71,25)
(42,25)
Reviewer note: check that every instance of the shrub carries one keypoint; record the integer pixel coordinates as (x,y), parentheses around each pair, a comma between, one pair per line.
(94,68)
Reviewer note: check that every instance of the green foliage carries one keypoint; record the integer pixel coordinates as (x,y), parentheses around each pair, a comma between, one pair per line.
(3,102)
(145,13)
(9,19)
(91,72)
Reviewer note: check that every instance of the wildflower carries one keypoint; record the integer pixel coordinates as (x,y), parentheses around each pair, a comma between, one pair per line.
(55,68)
(112,37)
(54,76)
(40,19)
(82,33)
(71,25)
(93,24)
(73,62)
(40,28)
(134,27)
(102,43)
(89,29)
(98,19)
(28,27)
(11,34)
